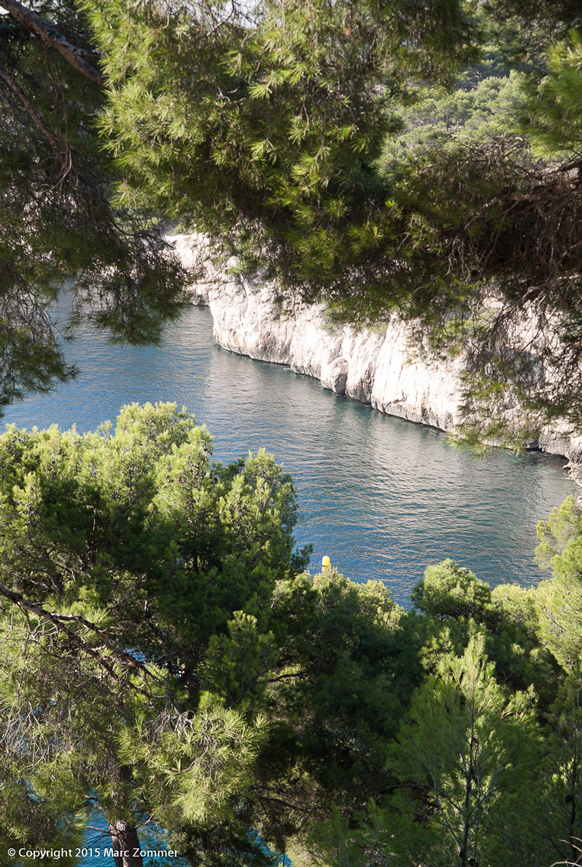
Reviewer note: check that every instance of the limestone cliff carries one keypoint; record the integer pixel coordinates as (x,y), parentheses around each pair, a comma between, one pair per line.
(368,365)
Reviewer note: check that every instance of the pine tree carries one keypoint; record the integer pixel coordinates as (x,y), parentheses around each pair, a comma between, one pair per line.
(123,554)
(460,748)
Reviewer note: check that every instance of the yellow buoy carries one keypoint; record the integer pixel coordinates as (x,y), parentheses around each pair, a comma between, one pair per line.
(325,562)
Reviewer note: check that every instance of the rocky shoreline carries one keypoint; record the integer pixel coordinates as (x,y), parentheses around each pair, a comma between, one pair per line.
(371,366)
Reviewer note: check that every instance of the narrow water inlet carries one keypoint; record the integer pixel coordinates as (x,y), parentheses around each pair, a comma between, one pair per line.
(381,496)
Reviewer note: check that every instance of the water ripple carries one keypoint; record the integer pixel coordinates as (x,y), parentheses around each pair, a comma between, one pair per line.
(383,497)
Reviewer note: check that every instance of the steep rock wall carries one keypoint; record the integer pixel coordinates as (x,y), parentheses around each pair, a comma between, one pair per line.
(372,366)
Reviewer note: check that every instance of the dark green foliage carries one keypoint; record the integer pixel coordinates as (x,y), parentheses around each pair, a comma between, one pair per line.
(487,763)
(274,128)
(505,287)
(359,664)
(524,29)
(266,129)
(165,657)
(57,222)
(465,743)
(455,601)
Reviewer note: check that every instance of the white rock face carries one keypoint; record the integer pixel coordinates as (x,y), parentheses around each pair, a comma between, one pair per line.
(371,366)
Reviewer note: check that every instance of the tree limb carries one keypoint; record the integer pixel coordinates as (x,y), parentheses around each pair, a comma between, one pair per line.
(35,115)
(75,56)
(25,605)
(76,640)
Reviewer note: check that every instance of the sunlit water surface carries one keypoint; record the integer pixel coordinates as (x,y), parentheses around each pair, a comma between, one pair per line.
(381,496)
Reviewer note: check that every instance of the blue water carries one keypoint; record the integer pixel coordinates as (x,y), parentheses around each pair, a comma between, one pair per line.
(381,496)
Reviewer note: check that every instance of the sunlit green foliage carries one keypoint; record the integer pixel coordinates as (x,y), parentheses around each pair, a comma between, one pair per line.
(166,660)
(462,746)
(560,600)
(481,105)
(486,765)
(123,553)
(552,113)
(263,123)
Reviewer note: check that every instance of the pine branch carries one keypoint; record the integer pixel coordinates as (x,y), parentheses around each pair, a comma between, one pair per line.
(35,116)
(75,56)
(57,620)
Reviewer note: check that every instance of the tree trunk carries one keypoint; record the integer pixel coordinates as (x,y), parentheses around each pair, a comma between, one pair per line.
(125,843)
